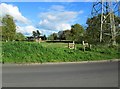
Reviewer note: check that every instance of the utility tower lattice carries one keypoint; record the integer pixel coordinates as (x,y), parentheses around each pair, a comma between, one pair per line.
(108,9)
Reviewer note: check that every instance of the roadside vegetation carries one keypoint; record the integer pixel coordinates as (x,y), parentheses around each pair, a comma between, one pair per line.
(32,52)
(16,48)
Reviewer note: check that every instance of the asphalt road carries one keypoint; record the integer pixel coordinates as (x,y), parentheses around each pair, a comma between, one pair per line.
(103,74)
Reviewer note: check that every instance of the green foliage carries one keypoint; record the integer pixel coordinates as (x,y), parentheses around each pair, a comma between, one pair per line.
(0,33)
(27,52)
(36,34)
(19,37)
(75,33)
(44,37)
(53,36)
(65,35)
(92,34)
(8,28)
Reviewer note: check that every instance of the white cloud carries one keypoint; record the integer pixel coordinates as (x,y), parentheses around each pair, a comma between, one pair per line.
(16,14)
(47,32)
(27,30)
(81,12)
(13,11)
(56,20)
(57,7)
(51,0)
(54,25)
(64,26)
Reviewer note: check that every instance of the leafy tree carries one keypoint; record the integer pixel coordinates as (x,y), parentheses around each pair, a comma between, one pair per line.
(36,34)
(60,35)
(19,37)
(8,28)
(44,37)
(117,21)
(92,33)
(65,35)
(77,32)
(0,33)
(53,36)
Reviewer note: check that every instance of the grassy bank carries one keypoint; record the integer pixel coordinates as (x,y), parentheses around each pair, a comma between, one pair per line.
(27,52)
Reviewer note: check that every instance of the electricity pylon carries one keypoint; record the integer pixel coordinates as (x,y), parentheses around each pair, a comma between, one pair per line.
(108,9)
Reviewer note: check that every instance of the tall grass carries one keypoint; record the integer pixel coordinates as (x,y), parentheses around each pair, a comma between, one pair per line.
(27,52)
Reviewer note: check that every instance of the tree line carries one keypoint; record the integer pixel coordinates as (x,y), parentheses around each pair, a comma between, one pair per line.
(91,33)
(77,32)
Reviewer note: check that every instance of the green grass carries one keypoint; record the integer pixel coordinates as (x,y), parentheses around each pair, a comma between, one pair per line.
(0,51)
(27,52)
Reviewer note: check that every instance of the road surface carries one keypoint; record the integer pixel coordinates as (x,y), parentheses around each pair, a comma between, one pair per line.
(103,74)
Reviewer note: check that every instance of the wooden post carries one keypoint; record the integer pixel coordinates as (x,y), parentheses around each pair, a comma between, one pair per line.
(71,45)
(83,45)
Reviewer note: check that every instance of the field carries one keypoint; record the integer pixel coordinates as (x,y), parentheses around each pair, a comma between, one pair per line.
(32,52)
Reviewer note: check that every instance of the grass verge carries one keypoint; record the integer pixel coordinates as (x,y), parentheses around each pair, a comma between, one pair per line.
(31,52)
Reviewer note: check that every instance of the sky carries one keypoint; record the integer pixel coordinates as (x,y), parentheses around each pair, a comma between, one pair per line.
(47,17)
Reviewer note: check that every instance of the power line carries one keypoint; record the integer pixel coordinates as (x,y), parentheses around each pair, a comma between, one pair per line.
(108,10)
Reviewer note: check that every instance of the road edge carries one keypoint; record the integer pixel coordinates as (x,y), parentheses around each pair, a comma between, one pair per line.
(80,62)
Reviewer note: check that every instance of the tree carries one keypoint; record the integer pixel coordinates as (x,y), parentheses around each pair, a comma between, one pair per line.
(0,33)
(19,37)
(60,33)
(53,36)
(117,19)
(36,34)
(8,28)
(65,35)
(92,34)
(44,37)
(77,32)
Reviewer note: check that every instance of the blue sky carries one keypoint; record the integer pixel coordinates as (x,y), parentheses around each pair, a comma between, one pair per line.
(47,17)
